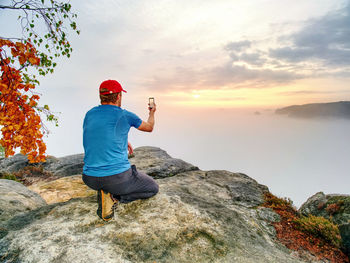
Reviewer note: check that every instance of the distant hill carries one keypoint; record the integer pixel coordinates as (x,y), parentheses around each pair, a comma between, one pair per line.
(340,109)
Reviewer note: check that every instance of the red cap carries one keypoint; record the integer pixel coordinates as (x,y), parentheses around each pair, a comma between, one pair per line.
(113,86)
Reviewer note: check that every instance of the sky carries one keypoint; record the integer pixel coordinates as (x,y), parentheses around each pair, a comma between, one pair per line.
(198,58)
(209,53)
(219,53)
(201,53)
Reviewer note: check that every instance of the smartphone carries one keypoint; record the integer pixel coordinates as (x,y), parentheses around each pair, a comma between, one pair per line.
(151,102)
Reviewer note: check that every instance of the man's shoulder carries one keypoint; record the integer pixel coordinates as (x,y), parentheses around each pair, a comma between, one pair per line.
(129,113)
(98,108)
(126,111)
(93,108)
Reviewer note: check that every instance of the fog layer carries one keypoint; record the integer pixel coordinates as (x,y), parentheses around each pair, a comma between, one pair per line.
(295,158)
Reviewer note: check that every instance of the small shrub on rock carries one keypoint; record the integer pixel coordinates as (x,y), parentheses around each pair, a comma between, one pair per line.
(30,174)
(321,205)
(333,208)
(275,202)
(33,171)
(338,205)
(320,227)
(314,234)
(9,176)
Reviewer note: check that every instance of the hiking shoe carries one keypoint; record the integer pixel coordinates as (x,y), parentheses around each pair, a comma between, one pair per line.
(106,205)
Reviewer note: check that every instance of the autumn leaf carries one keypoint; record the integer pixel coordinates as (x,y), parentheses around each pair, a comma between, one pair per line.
(21,123)
(22,60)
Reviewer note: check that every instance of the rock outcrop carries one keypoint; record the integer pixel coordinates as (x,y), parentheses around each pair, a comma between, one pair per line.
(15,198)
(62,189)
(157,163)
(63,166)
(334,207)
(151,160)
(197,216)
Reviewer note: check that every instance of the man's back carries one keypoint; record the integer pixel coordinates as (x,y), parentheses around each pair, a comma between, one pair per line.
(105,139)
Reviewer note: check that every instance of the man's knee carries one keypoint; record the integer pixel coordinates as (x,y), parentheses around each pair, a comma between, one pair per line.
(152,185)
(155,187)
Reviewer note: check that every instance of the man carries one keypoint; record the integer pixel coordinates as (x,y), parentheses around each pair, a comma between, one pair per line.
(106,165)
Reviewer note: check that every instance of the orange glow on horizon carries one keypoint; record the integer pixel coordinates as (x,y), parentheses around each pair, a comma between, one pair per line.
(302,92)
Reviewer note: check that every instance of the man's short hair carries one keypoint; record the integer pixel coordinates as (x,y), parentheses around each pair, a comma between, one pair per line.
(108,97)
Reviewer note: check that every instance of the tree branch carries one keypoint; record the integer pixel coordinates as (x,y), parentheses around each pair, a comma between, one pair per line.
(12,38)
(31,9)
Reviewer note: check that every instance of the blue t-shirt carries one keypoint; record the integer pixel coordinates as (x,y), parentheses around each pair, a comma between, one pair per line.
(105,139)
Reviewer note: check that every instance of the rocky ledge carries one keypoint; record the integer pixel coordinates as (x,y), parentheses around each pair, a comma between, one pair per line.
(197,216)
(334,207)
(151,160)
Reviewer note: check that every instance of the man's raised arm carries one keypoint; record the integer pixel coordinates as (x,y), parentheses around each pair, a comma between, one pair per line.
(148,126)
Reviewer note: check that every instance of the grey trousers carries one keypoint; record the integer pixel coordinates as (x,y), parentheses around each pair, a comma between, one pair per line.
(127,186)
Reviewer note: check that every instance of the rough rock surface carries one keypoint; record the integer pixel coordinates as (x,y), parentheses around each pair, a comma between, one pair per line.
(157,163)
(15,198)
(63,166)
(312,204)
(151,160)
(197,216)
(334,207)
(320,205)
(13,163)
(62,189)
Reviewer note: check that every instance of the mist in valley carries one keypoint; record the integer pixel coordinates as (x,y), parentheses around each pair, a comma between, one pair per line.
(294,157)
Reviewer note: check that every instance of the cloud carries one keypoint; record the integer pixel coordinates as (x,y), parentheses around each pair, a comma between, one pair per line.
(244,68)
(254,58)
(231,73)
(227,76)
(325,40)
(303,92)
(238,52)
(320,48)
(238,45)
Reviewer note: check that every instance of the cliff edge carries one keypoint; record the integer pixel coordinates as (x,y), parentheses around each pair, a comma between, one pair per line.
(197,216)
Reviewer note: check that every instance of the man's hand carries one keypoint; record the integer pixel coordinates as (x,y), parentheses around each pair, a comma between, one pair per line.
(130,149)
(148,126)
(152,110)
